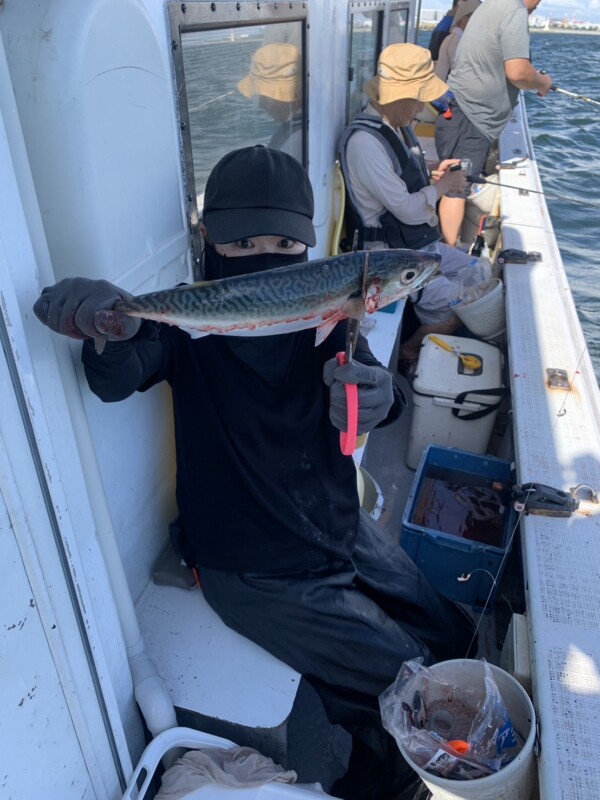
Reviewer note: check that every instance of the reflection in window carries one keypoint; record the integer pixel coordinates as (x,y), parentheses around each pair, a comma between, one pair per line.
(398,26)
(275,79)
(365,44)
(244,86)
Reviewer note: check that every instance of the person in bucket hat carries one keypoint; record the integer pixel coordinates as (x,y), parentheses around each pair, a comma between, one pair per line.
(275,78)
(391,198)
(404,71)
(268,505)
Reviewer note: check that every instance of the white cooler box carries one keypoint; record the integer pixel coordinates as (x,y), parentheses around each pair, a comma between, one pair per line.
(454,406)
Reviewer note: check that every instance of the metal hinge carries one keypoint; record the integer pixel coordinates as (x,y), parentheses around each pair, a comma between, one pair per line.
(558,378)
(518,256)
(536,498)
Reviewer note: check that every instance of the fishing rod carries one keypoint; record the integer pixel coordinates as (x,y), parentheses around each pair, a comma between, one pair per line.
(574,95)
(475,179)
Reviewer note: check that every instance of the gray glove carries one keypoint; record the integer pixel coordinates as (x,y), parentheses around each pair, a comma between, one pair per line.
(375,393)
(81,308)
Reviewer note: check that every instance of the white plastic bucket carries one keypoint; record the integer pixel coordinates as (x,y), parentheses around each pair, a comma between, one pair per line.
(485,316)
(517,780)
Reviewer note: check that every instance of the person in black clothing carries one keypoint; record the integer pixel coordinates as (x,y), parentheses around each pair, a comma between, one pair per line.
(293,563)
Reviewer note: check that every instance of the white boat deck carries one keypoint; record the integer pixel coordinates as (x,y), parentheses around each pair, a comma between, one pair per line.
(557,443)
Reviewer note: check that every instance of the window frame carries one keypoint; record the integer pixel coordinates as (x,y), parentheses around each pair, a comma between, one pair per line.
(198,16)
(397,5)
(361,7)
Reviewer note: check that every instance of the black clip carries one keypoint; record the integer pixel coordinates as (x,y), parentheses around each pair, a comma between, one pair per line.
(514,256)
(535,498)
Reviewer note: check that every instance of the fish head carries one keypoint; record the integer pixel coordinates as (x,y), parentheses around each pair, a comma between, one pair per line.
(395,274)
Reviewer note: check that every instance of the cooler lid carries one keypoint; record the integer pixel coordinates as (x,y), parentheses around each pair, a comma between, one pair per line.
(442,374)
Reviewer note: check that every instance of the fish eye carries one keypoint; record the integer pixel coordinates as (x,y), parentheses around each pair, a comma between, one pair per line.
(408,275)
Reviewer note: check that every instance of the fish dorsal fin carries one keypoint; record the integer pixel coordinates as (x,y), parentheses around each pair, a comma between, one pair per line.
(325,329)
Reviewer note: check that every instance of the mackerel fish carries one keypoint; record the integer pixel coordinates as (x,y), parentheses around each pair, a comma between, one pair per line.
(312,294)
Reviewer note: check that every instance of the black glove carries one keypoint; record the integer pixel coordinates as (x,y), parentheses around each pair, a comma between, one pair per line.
(81,308)
(375,393)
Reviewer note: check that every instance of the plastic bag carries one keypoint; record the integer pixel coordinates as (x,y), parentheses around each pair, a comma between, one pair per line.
(476,281)
(473,281)
(460,732)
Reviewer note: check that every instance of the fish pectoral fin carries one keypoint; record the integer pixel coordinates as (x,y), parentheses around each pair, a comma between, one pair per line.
(325,329)
(193,332)
(354,308)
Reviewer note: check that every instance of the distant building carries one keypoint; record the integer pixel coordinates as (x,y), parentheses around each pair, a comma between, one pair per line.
(432,15)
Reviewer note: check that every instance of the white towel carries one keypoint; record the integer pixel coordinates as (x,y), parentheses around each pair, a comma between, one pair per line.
(235,767)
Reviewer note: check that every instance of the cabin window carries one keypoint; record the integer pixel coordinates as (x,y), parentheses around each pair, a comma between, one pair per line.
(366,32)
(241,80)
(398,26)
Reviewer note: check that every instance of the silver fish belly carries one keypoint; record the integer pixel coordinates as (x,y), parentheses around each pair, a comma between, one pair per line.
(312,294)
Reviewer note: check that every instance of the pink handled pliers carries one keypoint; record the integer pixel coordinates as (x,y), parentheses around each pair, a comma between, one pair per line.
(348,437)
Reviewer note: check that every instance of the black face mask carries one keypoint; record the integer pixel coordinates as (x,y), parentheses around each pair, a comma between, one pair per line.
(217,266)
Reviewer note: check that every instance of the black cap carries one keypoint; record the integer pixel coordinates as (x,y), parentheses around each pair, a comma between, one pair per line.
(257,191)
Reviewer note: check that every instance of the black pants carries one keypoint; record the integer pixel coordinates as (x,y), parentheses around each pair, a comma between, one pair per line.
(347,629)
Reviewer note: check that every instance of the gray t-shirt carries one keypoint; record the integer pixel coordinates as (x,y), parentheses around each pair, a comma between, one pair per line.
(497,32)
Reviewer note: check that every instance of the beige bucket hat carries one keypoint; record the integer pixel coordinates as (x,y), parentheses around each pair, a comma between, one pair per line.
(404,71)
(463,9)
(275,72)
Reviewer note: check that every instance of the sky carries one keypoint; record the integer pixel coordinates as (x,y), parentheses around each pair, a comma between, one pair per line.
(584,10)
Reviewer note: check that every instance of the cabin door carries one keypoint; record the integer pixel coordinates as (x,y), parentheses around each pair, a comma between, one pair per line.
(54,738)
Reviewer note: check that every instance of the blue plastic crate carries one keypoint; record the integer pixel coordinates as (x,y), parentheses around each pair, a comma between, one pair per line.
(444,556)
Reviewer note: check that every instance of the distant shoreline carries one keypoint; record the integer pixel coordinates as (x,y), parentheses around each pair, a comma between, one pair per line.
(429,26)
(559,30)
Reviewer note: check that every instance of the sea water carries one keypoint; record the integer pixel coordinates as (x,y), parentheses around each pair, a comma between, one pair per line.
(566,139)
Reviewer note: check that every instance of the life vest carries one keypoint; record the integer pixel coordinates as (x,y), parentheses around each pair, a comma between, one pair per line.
(409,164)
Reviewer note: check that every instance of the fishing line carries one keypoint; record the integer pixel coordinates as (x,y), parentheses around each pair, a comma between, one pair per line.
(208,102)
(564,198)
(561,111)
(562,409)
(560,413)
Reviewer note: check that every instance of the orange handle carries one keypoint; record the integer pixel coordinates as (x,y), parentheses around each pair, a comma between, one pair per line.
(460,746)
(348,437)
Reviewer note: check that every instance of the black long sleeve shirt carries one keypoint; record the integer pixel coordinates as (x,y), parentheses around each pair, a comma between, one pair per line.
(261,482)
